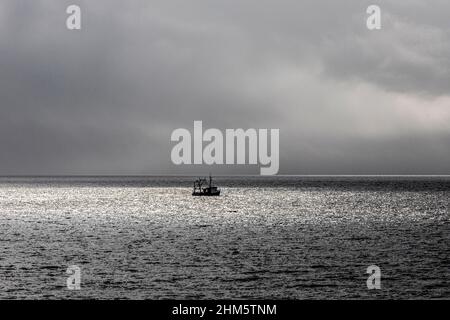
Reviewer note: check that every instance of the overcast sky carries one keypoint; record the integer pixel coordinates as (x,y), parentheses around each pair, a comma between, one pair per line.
(105,100)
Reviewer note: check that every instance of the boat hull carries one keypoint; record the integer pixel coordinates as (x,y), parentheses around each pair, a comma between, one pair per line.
(206,194)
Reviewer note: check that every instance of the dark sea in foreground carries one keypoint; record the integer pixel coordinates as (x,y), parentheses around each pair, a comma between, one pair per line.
(278,237)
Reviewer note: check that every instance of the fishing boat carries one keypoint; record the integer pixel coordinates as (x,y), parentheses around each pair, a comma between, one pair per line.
(203,188)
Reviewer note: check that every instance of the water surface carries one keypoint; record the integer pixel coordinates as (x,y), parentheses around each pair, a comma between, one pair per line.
(277,237)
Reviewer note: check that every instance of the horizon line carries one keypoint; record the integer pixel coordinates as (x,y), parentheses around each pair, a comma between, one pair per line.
(219,175)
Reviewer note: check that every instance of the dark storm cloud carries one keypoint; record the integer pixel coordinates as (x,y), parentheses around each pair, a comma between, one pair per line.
(104,100)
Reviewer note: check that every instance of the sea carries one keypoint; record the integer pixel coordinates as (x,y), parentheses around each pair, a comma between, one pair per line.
(282,237)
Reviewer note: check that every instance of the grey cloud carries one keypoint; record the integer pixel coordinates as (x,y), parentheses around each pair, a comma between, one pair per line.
(104,100)
(403,56)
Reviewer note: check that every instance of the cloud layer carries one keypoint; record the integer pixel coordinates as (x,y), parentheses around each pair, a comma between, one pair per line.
(104,100)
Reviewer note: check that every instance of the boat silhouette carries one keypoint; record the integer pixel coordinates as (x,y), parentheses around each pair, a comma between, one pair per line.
(203,188)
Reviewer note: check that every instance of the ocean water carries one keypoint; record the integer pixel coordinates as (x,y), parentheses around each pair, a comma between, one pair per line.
(277,237)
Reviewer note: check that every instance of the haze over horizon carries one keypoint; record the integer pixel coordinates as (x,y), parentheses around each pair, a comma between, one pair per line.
(104,100)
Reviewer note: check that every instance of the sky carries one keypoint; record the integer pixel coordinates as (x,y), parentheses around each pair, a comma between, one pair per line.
(105,99)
